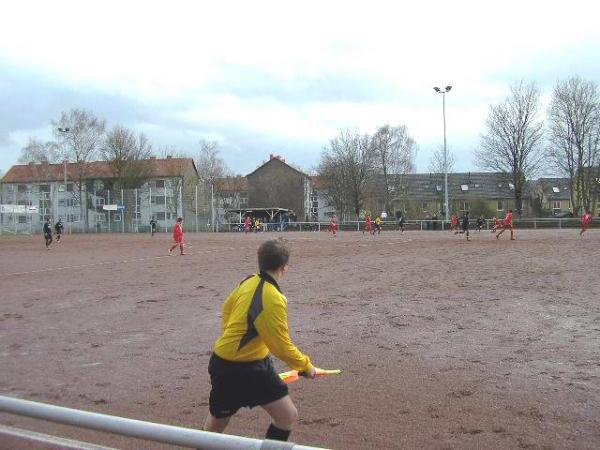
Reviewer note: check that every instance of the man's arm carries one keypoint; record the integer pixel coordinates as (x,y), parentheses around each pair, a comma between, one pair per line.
(272,326)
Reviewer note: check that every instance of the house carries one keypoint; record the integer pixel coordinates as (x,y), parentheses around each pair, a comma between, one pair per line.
(421,195)
(321,206)
(87,196)
(230,193)
(551,196)
(276,184)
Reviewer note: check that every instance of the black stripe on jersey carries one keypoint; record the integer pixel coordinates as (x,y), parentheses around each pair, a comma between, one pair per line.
(255,309)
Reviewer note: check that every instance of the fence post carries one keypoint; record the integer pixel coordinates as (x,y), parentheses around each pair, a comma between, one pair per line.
(421,225)
(165,202)
(196,205)
(122,213)
(534,224)
(559,224)
(108,197)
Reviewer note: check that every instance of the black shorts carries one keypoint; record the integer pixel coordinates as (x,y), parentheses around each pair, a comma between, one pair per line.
(242,384)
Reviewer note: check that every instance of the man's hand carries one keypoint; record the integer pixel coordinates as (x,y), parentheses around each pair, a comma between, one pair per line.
(310,373)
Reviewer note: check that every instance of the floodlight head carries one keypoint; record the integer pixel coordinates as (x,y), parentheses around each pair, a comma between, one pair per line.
(448,88)
(64,130)
(436,89)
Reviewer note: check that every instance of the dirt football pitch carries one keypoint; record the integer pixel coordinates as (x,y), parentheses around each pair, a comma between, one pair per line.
(444,344)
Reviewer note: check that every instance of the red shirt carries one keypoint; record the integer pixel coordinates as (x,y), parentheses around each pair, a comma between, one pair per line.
(508,219)
(454,219)
(178,231)
(586,219)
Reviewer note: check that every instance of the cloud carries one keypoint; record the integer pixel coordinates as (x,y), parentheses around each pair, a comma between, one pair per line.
(277,77)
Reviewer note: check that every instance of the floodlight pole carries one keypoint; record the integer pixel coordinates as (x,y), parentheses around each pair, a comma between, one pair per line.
(443,92)
(65,130)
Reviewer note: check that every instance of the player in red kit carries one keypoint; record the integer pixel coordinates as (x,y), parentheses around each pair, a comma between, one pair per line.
(454,223)
(333,225)
(178,236)
(586,220)
(368,224)
(247,224)
(497,225)
(507,224)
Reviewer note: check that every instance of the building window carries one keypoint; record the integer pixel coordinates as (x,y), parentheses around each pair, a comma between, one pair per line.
(424,206)
(158,199)
(464,187)
(556,204)
(314,198)
(22,188)
(500,205)
(22,219)
(159,184)
(511,186)
(466,206)
(243,200)
(69,187)
(73,218)
(555,189)
(44,188)
(160,216)
(99,202)
(438,187)
(117,217)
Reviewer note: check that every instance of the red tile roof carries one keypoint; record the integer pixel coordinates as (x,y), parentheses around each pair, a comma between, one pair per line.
(32,173)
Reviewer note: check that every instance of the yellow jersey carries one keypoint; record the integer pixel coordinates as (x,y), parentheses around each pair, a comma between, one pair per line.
(255,322)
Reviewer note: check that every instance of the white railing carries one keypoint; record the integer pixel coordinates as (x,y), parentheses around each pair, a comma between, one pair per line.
(166,434)
(419,224)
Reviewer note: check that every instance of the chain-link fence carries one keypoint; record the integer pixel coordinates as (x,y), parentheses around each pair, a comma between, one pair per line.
(24,209)
(98,209)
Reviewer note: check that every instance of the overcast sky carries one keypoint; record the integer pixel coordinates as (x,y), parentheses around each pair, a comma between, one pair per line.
(282,77)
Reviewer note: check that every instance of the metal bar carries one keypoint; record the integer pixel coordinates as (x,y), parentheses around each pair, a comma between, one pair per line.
(122,213)
(167,434)
(48,441)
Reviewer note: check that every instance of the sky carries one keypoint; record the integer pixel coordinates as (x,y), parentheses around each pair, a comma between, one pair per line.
(283,77)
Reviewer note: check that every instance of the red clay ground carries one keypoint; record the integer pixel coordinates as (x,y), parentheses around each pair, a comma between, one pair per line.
(444,343)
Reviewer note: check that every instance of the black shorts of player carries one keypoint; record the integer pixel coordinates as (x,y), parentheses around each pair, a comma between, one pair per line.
(242,384)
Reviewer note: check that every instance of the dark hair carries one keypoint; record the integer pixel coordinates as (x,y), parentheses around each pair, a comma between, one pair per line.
(273,254)
(179,219)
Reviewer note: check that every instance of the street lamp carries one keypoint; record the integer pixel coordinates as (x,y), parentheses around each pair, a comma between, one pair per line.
(443,92)
(64,130)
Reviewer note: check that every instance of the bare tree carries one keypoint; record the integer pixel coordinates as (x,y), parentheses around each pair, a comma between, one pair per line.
(128,156)
(211,168)
(436,162)
(513,141)
(394,155)
(209,164)
(346,165)
(80,140)
(574,143)
(39,152)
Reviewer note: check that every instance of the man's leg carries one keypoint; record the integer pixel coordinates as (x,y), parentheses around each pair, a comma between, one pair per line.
(181,248)
(500,232)
(284,414)
(215,424)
